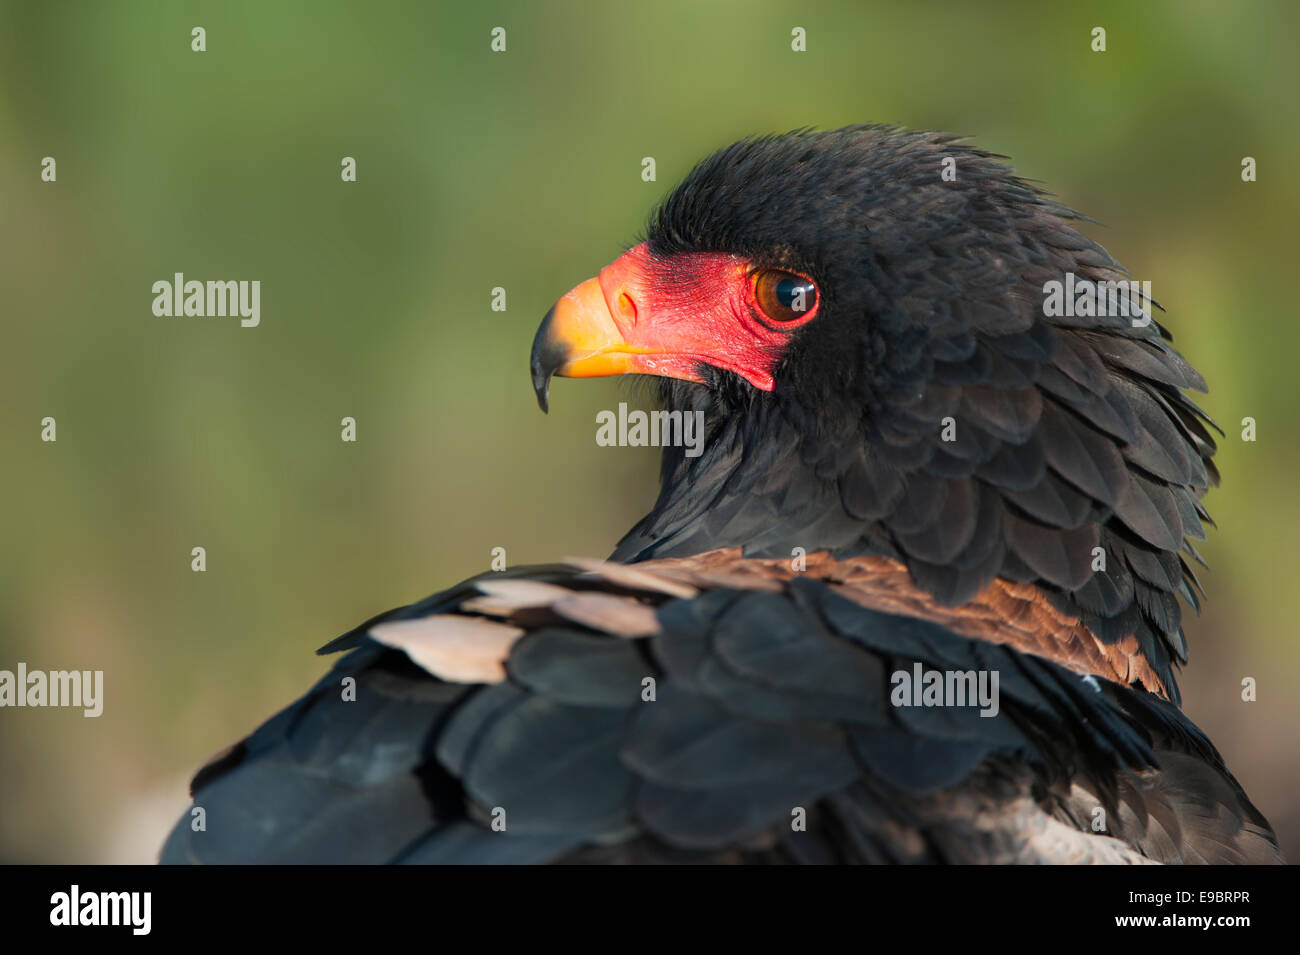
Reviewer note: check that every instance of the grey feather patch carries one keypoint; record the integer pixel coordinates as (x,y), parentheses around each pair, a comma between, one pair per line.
(552,768)
(578,669)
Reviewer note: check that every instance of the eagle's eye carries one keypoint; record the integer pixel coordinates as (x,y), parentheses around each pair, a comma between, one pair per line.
(784,296)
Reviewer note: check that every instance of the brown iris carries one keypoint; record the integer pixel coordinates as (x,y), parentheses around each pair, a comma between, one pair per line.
(784,296)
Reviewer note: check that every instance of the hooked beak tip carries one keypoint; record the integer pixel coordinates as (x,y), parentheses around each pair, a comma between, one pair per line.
(545,359)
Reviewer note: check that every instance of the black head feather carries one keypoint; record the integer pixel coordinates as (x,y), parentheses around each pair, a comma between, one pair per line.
(1071,434)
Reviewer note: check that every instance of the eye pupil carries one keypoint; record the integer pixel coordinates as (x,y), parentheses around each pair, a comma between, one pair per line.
(793,295)
(784,296)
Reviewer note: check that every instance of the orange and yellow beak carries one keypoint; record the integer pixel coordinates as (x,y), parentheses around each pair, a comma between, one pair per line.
(687,316)
(618,323)
(581,338)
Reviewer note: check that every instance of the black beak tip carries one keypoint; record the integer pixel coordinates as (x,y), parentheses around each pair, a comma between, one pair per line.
(545,358)
(543,389)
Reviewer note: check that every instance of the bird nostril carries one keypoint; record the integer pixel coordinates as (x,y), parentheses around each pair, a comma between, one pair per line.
(626,307)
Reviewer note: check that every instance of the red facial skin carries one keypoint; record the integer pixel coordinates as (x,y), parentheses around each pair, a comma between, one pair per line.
(666,317)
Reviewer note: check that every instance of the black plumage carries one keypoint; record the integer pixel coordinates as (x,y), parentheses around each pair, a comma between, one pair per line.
(769,701)
(702,700)
(1076,424)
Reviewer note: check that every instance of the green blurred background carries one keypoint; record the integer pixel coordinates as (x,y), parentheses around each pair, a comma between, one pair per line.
(521,170)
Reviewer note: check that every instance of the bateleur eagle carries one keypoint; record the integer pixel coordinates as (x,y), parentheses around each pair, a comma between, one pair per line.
(911,467)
